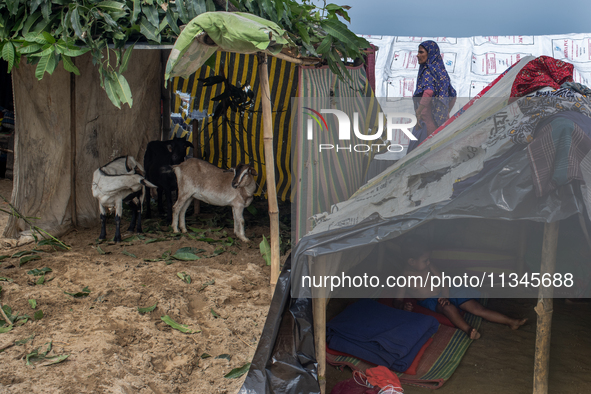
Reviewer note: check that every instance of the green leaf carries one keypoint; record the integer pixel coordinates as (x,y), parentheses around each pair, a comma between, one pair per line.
(23,253)
(75,19)
(181,327)
(4,257)
(55,360)
(8,54)
(184,277)
(225,356)
(237,372)
(265,249)
(38,315)
(29,22)
(172,21)
(151,13)
(205,355)
(38,353)
(123,90)
(182,11)
(41,280)
(44,65)
(125,252)
(84,293)
(149,30)
(26,259)
(125,60)
(37,271)
(33,303)
(48,37)
(152,240)
(211,61)
(147,309)
(325,45)
(110,89)
(74,51)
(5,329)
(339,30)
(185,256)
(214,313)
(137,8)
(208,283)
(5,279)
(111,6)
(33,5)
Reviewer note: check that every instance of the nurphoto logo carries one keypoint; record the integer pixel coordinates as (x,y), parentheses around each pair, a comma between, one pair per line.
(345,126)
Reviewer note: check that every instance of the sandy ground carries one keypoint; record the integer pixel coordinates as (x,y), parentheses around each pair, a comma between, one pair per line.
(502,360)
(113,348)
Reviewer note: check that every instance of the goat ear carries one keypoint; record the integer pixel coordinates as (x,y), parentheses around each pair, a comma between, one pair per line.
(169,146)
(252,171)
(189,145)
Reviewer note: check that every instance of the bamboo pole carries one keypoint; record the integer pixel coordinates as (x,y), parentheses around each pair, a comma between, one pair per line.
(73,130)
(544,310)
(319,310)
(269,165)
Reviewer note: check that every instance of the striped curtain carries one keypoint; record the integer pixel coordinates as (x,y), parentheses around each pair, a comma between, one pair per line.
(323,179)
(241,139)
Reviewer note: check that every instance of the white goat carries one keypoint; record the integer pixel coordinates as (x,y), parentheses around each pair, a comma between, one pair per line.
(118,181)
(205,182)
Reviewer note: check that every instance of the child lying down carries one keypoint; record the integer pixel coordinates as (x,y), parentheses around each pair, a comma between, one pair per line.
(444,300)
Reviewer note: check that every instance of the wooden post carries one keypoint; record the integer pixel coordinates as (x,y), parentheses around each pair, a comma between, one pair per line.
(73,130)
(269,165)
(544,310)
(319,310)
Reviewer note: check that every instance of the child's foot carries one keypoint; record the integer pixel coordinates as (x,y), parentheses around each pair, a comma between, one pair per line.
(473,333)
(517,323)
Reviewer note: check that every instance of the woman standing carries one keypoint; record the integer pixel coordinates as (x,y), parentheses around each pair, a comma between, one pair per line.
(434,96)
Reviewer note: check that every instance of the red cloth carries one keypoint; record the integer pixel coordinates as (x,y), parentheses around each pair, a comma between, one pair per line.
(412,370)
(540,72)
(349,386)
(381,377)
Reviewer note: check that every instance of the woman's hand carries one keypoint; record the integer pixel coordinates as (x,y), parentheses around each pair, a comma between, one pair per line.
(408,306)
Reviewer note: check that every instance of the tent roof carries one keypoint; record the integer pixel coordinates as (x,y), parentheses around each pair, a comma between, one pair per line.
(423,186)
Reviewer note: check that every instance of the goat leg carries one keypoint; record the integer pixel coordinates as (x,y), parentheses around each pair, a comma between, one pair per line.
(117,228)
(134,209)
(239,223)
(147,192)
(118,213)
(103,226)
(168,192)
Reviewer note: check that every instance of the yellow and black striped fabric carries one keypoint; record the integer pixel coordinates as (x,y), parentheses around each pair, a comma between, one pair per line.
(242,140)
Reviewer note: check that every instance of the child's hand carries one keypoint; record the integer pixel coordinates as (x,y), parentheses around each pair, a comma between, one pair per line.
(408,306)
(443,301)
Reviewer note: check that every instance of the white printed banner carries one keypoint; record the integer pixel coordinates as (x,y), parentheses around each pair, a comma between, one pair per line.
(504,40)
(494,63)
(407,60)
(572,50)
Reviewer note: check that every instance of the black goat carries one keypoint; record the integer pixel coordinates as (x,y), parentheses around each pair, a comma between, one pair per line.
(159,157)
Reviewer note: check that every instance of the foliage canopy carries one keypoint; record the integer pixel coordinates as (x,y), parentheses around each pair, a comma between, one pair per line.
(50,31)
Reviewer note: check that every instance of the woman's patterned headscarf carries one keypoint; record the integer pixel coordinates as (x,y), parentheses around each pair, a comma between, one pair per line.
(433,75)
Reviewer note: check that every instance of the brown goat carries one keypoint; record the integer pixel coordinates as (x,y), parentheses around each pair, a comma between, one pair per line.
(205,182)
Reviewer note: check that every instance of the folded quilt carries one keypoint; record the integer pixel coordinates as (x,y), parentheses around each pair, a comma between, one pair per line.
(380,334)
